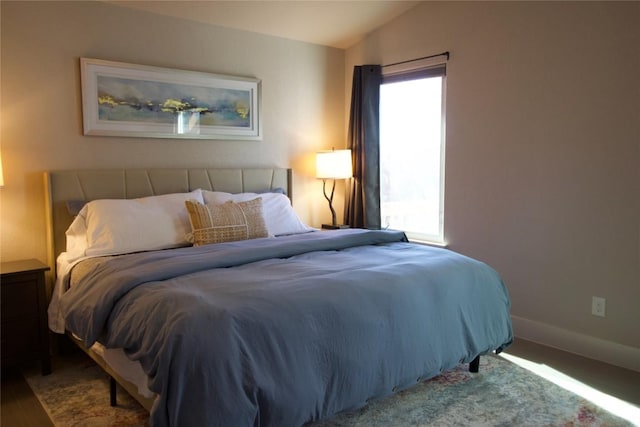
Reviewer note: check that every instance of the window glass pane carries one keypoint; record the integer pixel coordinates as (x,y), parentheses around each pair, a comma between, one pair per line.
(410,157)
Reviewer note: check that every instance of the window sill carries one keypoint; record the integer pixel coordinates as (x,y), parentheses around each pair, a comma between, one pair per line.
(443,245)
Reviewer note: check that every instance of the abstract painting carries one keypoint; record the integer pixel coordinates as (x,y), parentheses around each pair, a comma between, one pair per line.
(122,99)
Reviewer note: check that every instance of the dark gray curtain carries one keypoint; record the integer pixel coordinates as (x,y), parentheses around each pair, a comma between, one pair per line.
(362,208)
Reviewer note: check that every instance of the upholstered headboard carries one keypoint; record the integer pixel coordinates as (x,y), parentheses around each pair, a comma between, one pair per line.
(66,186)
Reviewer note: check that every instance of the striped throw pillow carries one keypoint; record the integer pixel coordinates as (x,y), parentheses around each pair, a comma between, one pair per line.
(226,222)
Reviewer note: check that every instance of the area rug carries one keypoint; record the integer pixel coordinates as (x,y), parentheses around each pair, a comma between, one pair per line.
(76,393)
(501,394)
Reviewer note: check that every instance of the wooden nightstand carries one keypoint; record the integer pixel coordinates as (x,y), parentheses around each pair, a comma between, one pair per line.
(334,227)
(25,335)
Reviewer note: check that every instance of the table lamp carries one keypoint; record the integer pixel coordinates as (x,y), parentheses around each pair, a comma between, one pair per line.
(334,164)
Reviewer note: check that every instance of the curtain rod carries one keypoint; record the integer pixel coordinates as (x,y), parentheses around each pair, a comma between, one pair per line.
(418,59)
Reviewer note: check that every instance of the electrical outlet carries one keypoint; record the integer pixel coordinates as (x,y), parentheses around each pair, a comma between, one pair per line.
(598,306)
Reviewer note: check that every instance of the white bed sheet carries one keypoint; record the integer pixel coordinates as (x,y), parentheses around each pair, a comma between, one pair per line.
(127,368)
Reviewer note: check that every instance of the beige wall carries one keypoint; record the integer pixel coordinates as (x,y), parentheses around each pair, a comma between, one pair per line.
(543,131)
(543,151)
(302,88)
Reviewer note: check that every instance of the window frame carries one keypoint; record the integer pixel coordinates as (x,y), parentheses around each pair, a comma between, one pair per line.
(415,71)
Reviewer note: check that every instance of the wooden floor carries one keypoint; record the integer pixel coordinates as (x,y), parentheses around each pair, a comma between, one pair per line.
(612,380)
(19,405)
(21,408)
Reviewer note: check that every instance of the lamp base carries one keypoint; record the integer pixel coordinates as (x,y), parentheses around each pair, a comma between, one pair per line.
(334,227)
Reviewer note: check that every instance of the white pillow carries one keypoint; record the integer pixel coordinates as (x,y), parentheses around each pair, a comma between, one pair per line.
(117,226)
(76,236)
(279,216)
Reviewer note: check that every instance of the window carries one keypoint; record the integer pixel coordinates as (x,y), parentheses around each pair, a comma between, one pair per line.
(412,152)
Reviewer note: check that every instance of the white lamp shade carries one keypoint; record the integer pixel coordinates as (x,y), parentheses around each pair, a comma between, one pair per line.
(335,164)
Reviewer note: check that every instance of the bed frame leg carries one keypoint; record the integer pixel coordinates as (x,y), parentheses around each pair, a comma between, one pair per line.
(112,391)
(474,366)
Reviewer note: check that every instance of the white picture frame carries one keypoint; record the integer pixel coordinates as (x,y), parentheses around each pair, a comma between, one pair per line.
(128,100)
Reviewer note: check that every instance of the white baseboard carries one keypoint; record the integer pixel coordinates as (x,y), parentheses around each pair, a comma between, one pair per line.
(573,342)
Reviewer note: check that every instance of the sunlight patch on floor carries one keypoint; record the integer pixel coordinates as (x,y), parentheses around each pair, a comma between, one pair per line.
(612,404)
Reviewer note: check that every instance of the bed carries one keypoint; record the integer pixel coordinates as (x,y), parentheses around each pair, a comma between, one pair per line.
(284,326)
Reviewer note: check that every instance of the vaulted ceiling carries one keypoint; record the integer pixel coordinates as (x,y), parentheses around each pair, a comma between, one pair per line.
(332,23)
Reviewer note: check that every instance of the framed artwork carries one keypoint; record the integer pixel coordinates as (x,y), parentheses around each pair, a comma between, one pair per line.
(120,99)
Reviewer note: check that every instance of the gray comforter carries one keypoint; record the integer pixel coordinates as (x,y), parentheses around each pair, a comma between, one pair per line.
(283,331)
